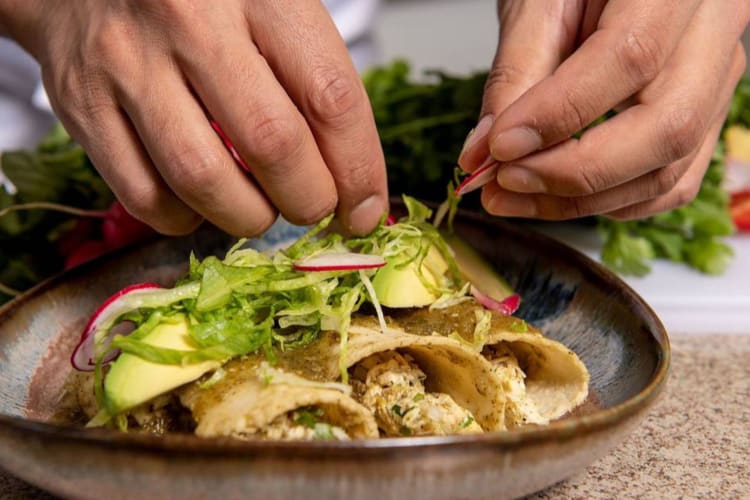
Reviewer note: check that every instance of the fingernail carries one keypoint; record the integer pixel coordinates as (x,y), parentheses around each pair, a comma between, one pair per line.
(512,205)
(476,134)
(515,143)
(520,180)
(364,217)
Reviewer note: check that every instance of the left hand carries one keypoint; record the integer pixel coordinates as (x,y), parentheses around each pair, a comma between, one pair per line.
(669,68)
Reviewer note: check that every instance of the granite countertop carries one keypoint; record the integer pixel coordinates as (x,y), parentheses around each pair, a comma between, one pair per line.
(694,444)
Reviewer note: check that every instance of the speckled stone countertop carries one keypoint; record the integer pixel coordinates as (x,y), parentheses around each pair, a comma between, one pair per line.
(694,444)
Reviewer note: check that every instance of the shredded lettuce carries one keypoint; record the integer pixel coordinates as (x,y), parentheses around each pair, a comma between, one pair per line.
(252,302)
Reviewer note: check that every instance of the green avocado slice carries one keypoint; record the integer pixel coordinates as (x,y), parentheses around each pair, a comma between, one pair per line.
(476,270)
(132,380)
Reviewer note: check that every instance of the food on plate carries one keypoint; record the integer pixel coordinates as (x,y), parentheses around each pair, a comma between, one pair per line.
(329,338)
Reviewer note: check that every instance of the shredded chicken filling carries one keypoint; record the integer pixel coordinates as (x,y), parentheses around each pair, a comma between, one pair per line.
(391,385)
(519,409)
(305,424)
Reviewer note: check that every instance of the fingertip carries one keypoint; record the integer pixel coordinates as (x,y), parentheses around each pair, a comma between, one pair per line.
(509,145)
(184,226)
(498,201)
(475,150)
(363,218)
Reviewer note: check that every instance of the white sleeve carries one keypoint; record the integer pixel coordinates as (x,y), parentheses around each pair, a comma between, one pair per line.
(353,18)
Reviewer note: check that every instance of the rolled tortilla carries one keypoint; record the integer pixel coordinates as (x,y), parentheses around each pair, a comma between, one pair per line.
(450,368)
(541,378)
(243,403)
(252,398)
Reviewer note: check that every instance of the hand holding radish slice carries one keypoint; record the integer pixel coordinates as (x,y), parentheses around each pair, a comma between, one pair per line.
(507,306)
(479,177)
(228,144)
(333,261)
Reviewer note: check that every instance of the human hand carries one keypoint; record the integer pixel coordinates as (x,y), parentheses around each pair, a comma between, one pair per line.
(133,82)
(668,67)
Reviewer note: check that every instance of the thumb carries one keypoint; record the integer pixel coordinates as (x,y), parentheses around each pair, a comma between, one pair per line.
(535,37)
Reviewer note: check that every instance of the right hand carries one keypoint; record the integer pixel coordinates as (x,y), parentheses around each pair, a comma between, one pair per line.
(134,80)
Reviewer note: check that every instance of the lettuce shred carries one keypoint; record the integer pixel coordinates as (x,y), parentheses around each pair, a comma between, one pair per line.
(251,302)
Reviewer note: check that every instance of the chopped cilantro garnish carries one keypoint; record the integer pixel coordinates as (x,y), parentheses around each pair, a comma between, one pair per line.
(308,417)
(400,411)
(467,422)
(519,326)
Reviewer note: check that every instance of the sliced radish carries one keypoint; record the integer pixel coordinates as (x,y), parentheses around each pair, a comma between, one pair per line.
(228,144)
(390,220)
(479,177)
(333,261)
(121,302)
(507,306)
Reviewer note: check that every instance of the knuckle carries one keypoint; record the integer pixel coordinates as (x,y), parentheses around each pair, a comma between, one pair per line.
(573,115)
(682,132)
(111,45)
(504,75)
(195,170)
(588,181)
(356,180)
(334,95)
(575,207)
(640,55)
(665,179)
(274,138)
(142,202)
(82,96)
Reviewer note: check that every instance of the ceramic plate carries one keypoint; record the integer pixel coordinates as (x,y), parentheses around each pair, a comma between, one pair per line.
(571,298)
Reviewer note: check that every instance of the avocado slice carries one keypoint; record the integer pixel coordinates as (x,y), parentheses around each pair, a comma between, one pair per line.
(132,381)
(476,270)
(401,287)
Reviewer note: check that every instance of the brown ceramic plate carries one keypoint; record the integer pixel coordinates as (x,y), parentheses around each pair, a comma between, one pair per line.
(571,298)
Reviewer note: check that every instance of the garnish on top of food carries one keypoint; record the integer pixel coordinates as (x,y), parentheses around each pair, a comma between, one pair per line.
(330,338)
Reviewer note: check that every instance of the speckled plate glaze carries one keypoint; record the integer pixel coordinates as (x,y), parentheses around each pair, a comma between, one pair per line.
(569,297)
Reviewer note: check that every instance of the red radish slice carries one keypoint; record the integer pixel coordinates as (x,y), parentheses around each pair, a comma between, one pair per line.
(228,144)
(83,355)
(478,177)
(390,220)
(332,261)
(507,306)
